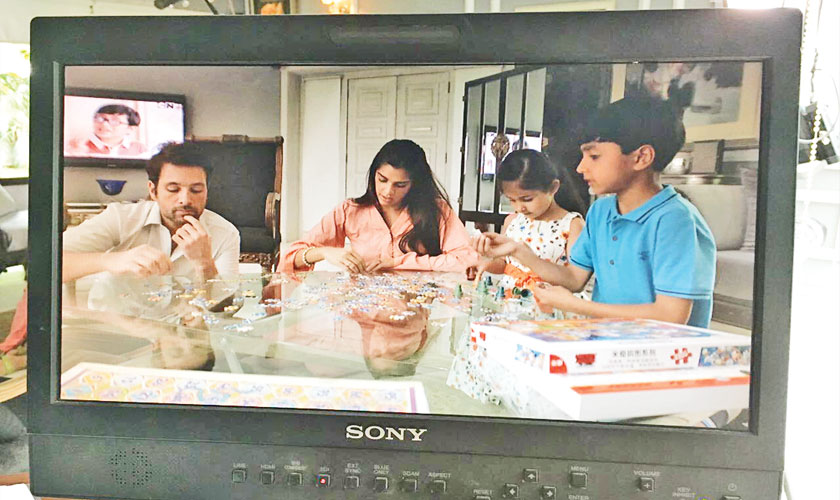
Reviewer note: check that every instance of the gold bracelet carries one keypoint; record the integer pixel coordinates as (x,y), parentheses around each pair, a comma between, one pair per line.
(303,257)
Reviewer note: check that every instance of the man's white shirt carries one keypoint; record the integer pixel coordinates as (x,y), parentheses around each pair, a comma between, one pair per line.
(123,226)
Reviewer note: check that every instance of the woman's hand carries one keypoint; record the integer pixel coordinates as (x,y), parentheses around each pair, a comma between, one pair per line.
(494,245)
(343,258)
(382,264)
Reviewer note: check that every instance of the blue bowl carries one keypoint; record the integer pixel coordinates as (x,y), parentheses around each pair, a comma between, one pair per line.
(111,187)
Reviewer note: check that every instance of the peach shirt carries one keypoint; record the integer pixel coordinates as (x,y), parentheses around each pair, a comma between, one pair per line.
(371,238)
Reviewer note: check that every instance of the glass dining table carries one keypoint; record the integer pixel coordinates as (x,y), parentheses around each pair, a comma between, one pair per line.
(330,340)
(395,342)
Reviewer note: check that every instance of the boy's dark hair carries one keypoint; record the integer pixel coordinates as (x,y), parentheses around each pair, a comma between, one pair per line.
(638,120)
(187,154)
(531,168)
(119,109)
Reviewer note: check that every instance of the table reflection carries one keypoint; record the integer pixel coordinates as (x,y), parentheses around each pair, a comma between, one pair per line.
(390,326)
(391,342)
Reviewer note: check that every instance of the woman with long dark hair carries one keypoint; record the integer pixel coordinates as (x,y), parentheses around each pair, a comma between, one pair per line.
(403,221)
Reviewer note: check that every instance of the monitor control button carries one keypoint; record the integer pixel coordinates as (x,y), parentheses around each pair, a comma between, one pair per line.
(510,491)
(530,475)
(408,485)
(380,484)
(294,479)
(239,475)
(646,483)
(351,482)
(267,477)
(578,479)
(730,497)
(482,497)
(322,480)
(548,492)
(437,487)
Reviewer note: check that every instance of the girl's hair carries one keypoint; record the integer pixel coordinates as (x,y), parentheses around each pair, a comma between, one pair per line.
(531,168)
(422,199)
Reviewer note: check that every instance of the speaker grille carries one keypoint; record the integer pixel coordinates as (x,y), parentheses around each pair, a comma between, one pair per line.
(131,467)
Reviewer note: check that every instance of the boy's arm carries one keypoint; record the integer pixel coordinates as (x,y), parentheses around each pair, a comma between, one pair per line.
(664,308)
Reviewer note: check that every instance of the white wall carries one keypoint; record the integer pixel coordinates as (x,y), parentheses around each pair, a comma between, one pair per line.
(290,105)
(321,165)
(219,100)
(14,23)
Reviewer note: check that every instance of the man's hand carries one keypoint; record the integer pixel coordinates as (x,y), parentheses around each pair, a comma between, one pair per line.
(142,261)
(553,297)
(194,241)
(494,245)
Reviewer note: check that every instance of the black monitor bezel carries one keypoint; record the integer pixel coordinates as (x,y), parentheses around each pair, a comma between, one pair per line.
(771,37)
(98,161)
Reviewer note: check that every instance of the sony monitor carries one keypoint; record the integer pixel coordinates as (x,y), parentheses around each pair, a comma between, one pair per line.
(167,364)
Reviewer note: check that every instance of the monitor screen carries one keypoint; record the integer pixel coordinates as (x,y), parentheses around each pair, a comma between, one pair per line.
(283,305)
(418,341)
(101,125)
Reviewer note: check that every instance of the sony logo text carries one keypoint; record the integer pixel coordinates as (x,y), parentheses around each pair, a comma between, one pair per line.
(375,433)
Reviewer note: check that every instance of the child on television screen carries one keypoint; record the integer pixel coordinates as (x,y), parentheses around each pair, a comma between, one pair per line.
(536,238)
(652,253)
(113,128)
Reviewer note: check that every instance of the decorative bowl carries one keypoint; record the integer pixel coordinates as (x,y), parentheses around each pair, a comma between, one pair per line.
(111,187)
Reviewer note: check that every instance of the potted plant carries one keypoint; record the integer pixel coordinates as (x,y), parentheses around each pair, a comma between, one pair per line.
(14,121)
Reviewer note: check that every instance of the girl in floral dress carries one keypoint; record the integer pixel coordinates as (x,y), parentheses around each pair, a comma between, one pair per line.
(534,242)
(538,236)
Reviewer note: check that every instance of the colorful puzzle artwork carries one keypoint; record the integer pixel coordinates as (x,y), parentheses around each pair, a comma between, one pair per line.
(609,345)
(122,384)
(604,329)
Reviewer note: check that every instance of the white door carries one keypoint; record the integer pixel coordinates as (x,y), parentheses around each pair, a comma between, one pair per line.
(422,116)
(407,107)
(371,112)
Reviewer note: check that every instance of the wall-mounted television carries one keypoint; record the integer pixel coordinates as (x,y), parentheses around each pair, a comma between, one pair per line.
(331,385)
(119,128)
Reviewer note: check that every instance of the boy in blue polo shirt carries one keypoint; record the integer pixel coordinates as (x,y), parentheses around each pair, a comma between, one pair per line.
(652,253)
